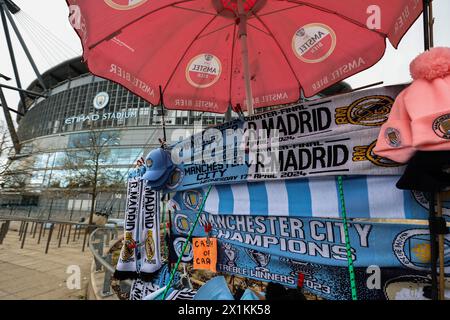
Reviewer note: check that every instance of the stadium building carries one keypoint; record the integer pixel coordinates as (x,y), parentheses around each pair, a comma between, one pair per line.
(76,104)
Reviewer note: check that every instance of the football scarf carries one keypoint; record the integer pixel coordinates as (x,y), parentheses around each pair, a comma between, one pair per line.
(150,234)
(137,290)
(141,290)
(127,265)
(326,137)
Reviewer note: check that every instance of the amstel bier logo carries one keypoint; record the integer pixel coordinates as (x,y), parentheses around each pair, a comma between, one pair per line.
(365,153)
(203,70)
(371,111)
(314,42)
(125,4)
(441,126)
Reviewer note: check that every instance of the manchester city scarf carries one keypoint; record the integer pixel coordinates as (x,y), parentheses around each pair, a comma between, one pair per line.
(325,137)
(150,234)
(127,265)
(345,154)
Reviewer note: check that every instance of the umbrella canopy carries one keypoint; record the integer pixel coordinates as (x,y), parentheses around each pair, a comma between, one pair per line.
(209,54)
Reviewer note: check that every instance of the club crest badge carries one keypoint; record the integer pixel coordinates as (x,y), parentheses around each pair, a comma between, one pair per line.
(365,153)
(441,126)
(192,199)
(101,100)
(412,248)
(175,179)
(393,137)
(178,245)
(371,111)
(150,246)
(182,224)
(129,244)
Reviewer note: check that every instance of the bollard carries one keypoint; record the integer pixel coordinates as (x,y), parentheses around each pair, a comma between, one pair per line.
(40,233)
(59,230)
(86,231)
(4,231)
(68,233)
(24,236)
(2,228)
(75,232)
(61,234)
(35,228)
(50,232)
(22,224)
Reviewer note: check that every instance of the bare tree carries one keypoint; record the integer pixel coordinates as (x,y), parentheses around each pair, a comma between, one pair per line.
(88,165)
(5,149)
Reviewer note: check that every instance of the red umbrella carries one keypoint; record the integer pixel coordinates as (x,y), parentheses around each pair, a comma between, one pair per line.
(208,54)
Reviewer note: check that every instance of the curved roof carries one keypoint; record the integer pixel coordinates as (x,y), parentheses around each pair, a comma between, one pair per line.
(65,70)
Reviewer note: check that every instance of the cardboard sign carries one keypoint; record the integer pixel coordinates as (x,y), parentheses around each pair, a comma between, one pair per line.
(205,253)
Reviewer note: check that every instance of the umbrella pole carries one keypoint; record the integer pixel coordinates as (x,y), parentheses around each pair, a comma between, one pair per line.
(431,18)
(244,55)
(433,248)
(162,110)
(440,197)
(426,24)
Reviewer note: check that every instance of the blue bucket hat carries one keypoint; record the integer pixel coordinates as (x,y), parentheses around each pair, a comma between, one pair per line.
(158,166)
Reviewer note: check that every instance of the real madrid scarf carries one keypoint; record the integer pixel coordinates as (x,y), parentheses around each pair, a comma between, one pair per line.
(127,265)
(345,154)
(331,136)
(298,123)
(140,290)
(150,234)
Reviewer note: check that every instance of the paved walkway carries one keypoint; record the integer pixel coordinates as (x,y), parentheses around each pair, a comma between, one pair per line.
(29,273)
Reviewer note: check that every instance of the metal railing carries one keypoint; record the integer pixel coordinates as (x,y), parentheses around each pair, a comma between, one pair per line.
(29,228)
(99,240)
(51,212)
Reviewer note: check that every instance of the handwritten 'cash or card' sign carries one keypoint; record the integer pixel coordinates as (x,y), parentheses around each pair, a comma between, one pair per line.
(205,253)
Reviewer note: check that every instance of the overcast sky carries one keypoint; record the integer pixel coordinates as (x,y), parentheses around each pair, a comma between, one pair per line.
(52,15)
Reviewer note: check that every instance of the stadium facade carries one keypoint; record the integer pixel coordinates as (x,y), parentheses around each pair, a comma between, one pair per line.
(78,103)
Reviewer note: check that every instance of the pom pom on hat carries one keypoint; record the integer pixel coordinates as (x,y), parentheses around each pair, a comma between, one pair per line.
(431,64)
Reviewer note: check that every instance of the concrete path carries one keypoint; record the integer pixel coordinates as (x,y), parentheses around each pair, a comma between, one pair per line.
(30,274)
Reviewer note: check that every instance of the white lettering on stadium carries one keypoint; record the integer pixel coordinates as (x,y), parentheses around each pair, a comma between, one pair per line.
(104,116)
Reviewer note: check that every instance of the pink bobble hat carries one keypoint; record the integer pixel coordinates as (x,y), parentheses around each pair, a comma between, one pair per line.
(420,116)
